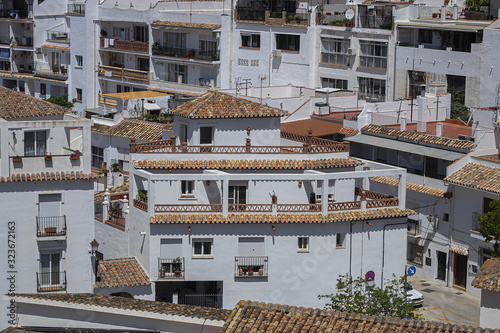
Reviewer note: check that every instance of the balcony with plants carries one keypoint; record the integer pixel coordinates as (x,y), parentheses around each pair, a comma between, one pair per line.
(251,267)
(271,12)
(171,268)
(50,226)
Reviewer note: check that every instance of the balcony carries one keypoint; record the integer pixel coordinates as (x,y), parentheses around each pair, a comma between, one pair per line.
(51,226)
(371,97)
(115,215)
(413,229)
(76,9)
(124,45)
(123,74)
(54,71)
(186,53)
(171,268)
(251,267)
(51,281)
(249,15)
(58,36)
(14,14)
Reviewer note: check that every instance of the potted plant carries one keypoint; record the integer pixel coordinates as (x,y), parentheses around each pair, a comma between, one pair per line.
(142,195)
(261,271)
(177,266)
(48,156)
(75,155)
(17,159)
(250,271)
(115,167)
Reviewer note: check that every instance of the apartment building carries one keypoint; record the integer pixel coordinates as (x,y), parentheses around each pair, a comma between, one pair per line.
(46,198)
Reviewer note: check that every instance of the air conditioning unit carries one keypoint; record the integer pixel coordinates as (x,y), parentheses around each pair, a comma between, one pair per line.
(276,53)
(38,50)
(351,51)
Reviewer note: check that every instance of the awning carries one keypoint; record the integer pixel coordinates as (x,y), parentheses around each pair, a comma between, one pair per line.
(407,147)
(440,26)
(459,249)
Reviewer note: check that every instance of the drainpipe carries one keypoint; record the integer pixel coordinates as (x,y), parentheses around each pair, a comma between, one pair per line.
(450,237)
(383,250)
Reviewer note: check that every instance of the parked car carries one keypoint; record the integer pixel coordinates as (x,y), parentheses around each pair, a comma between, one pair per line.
(414,296)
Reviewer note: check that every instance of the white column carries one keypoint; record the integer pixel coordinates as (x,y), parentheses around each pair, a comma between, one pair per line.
(105,206)
(4,150)
(225,196)
(324,197)
(402,191)
(151,198)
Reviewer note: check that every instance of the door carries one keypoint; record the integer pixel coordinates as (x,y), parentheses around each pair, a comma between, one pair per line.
(56,61)
(50,270)
(141,34)
(237,197)
(143,64)
(460,270)
(441,269)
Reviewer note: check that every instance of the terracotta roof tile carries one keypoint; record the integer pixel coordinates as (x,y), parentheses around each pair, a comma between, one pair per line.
(412,187)
(124,272)
(248,164)
(56,47)
(214,104)
(15,105)
(488,276)
(186,25)
(348,131)
(477,176)
(47,176)
(320,128)
(124,303)
(259,317)
(135,129)
(417,137)
(292,218)
(123,189)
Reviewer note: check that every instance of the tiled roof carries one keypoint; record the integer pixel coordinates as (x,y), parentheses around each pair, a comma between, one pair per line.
(450,128)
(411,186)
(250,316)
(459,249)
(135,129)
(320,128)
(15,105)
(56,47)
(125,303)
(214,104)
(492,157)
(248,164)
(125,272)
(348,131)
(477,176)
(187,25)
(488,276)
(47,176)
(418,137)
(355,215)
(123,189)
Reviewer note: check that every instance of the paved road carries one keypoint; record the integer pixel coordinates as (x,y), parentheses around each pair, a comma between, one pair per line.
(447,305)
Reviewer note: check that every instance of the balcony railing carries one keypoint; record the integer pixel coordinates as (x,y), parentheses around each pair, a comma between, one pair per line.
(123,74)
(76,9)
(273,18)
(14,14)
(115,216)
(251,266)
(124,45)
(375,21)
(171,268)
(58,36)
(413,229)
(186,53)
(371,97)
(51,226)
(98,210)
(42,67)
(51,281)
(141,205)
(206,300)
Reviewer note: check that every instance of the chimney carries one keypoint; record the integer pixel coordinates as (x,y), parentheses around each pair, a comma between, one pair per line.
(403,123)
(439,129)
(455,13)
(422,114)
(443,13)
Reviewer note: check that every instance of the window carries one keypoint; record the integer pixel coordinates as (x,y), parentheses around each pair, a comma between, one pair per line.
(50,271)
(335,51)
(97,157)
(175,70)
(35,143)
(174,40)
(250,40)
(237,197)
(183,133)
(371,90)
(446,217)
(206,135)
(203,248)
(327,82)
(415,253)
(417,83)
(303,244)
(287,42)
(424,36)
(486,205)
(78,94)
(43,89)
(340,241)
(187,188)
(208,48)
(373,54)
(5,66)
(79,61)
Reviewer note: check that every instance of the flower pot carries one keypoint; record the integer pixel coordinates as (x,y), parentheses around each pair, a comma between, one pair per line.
(241,271)
(48,158)
(17,159)
(177,273)
(75,157)
(250,272)
(261,271)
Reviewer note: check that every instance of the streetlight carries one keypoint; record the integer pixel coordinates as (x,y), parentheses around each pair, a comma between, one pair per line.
(94,245)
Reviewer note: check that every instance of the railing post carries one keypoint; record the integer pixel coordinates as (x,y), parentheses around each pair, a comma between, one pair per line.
(324,197)
(225,197)
(125,207)
(305,148)
(105,206)
(248,146)
(183,147)
(363,200)
(132,146)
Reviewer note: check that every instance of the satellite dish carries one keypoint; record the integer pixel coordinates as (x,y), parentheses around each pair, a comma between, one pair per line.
(349,14)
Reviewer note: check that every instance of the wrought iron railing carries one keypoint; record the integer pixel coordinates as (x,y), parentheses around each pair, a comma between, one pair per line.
(171,268)
(76,9)
(413,228)
(51,226)
(206,300)
(251,266)
(188,53)
(58,36)
(51,281)
(179,208)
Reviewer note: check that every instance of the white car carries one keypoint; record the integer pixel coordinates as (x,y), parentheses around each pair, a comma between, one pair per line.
(414,296)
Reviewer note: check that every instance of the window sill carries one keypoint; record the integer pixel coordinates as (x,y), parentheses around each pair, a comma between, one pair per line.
(374,68)
(340,247)
(187,197)
(202,257)
(333,64)
(290,51)
(302,251)
(78,67)
(250,47)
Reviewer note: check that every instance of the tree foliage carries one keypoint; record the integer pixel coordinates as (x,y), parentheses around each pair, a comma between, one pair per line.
(476,3)
(358,297)
(489,226)
(458,108)
(62,101)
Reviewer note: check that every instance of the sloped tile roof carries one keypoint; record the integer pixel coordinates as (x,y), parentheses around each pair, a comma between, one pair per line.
(14,105)
(259,317)
(124,272)
(48,176)
(248,164)
(411,186)
(418,137)
(477,176)
(348,131)
(123,189)
(187,25)
(135,129)
(292,218)
(488,276)
(125,303)
(320,128)
(214,104)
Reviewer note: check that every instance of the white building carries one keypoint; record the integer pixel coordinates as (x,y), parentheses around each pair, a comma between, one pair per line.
(487,280)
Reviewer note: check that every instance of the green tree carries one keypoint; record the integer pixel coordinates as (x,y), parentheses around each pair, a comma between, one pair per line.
(62,101)
(489,226)
(476,3)
(458,108)
(358,297)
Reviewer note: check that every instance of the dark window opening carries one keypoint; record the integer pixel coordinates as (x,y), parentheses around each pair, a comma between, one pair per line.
(288,42)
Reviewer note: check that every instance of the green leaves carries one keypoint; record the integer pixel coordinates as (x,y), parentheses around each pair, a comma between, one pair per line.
(62,101)
(489,226)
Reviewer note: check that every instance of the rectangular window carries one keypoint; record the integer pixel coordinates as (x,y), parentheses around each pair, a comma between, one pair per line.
(202,248)
(35,143)
(250,40)
(486,205)
(79,61)
(371,90)
(50,269)
(373,54)
(175,70)
(446,217)
(340,241)
(174,40)
(335,51)
(327,82)
(187,188)
(208,47)
(43,89)
(78,94)
(97,157)
(206,135)
(288,42)
(5,66)
(184,133)
(425,36)
(303,244)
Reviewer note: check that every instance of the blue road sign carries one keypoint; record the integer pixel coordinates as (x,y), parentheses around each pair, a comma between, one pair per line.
(411,270)
(370,276)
